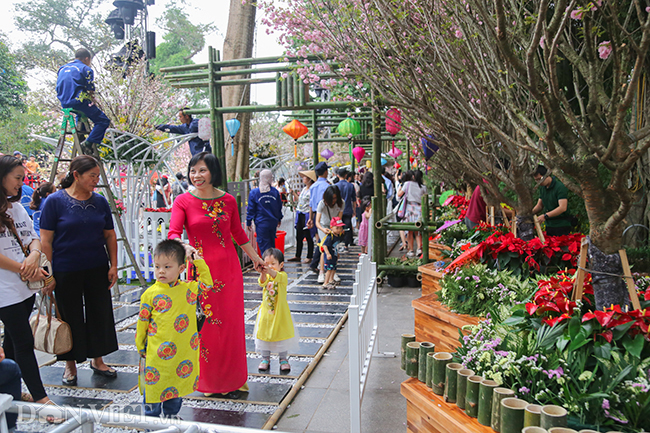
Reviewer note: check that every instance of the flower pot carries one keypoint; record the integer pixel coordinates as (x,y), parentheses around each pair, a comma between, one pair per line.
(440,361)
(532,415)
(471,395)
(411,361)
(396,280)
(512,415)
(562,430)
(406,338)
(451,381)
(425,347)
(498,395)
(461,386)
(553,416)
(485,391)
(412,281)
(534,429)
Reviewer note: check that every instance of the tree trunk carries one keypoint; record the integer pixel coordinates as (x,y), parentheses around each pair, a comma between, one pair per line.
(238,44)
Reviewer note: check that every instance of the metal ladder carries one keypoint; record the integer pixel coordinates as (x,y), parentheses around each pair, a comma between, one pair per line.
(78,132)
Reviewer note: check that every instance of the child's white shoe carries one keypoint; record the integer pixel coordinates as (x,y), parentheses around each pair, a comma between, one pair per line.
(321,278)
(337,278)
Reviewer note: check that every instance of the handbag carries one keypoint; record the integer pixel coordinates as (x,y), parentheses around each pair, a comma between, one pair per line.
(401,208)
(51,334)
(44,264)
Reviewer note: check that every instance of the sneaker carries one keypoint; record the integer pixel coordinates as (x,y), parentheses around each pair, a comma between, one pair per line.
(284,365)
(410,254)
(337,278)
(419,253)
(321,278)
(264,365)
(87,148)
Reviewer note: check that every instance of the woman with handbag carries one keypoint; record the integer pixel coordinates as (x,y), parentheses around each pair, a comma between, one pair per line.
(16,270)
(413,190)
(76,231)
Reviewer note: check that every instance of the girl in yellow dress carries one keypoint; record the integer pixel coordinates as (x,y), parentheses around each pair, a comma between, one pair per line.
(274,331)
(166,336)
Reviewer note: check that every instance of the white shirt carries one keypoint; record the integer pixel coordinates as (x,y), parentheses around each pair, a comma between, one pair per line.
(414,192)
(12,289)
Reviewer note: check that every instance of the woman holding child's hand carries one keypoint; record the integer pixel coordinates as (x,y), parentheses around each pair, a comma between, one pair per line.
(212,221)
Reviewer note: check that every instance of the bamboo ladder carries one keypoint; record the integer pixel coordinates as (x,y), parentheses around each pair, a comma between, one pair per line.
(78,132)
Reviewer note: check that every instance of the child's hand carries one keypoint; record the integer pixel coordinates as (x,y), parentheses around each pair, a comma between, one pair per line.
(329,256)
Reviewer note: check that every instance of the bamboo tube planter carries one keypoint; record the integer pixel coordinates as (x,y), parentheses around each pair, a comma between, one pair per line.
(534,429)
(553,416)
(429,377)
(485,392)
(512,415)
(532,415)
(406,338)
(411,361)
(587,431)
(451,381)
(425,348)
(471,395)
(438,376)
(461,386)
(498,395)
(567,430)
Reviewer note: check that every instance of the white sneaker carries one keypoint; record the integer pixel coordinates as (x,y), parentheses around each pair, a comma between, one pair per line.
(410,254)
(321,278)
(419,252)
(337,278)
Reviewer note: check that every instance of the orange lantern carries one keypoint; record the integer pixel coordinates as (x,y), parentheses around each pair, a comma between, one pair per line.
(295,130)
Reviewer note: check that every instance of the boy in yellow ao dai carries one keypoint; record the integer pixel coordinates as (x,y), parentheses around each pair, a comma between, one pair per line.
(166,335)
(274,331)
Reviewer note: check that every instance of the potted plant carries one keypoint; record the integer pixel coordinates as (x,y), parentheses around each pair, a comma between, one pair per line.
(396,278)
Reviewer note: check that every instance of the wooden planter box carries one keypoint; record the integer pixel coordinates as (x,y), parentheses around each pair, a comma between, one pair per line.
(435,323)
(428,412)
(431,276)
(435,251)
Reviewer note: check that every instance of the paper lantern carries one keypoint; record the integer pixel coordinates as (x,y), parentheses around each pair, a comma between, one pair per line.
(429,146)
(395,153)
(349,128)
(232,125)
(358,153)
(393,121)
(295,130)
(327,154)
(368,164)
(397,166)
(383,161)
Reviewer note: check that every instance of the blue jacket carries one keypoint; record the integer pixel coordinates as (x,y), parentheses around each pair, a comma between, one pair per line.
(264,208)
(196,144)
(73,79)
(348,194)
(316,191)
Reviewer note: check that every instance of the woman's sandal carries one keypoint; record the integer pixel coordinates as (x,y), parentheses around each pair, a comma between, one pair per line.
(284,365)
(264,365)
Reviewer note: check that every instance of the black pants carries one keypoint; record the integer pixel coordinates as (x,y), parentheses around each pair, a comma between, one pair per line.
(19,344)
(347,237)
(558,231)
(85,304)
(303,233)
(10,384)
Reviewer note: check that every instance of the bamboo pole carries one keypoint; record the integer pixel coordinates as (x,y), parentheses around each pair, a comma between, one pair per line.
(429,377)
(397,268)
(406,338)
(380,277)
(425,226)
(498,395)
(631,288)
(461,386)
(412,227)
(471,395)
(485,392)
(553,416)
(580,277)
(411,361)
(314,135)
(511,414)
(304,375)
(439,373)
(425,348)
(451,381)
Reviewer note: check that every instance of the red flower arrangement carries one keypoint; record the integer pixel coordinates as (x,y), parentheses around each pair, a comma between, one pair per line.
(460,203)
(160,209)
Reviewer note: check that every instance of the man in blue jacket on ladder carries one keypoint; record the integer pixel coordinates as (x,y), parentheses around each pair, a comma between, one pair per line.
(75,88)
(188,126)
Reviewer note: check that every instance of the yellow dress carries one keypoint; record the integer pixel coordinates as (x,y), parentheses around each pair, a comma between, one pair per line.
(167,334)
(274,329)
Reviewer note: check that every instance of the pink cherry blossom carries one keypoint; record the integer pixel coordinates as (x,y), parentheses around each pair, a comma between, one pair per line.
(604,49)
(577,14)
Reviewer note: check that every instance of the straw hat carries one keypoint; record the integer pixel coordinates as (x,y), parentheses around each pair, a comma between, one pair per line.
(309,173)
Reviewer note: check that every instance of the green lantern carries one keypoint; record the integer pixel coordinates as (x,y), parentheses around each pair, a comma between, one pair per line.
(349,128)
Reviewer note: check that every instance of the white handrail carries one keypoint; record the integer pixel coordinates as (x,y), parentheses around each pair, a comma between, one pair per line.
(362,334)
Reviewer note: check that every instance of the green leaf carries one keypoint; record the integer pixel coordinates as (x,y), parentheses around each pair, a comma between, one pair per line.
(514,320)
(562,342)
(577,342)
(574,326)
(603,351)
(621,330)
(634,346)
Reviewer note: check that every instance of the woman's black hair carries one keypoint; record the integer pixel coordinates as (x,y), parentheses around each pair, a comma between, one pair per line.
(281,181)
(417,177)
(39,194)
(80,164)
(211,162)
(367,179)
(367,201)
(7,165)
(172,249)
(328,196)
(406,176)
